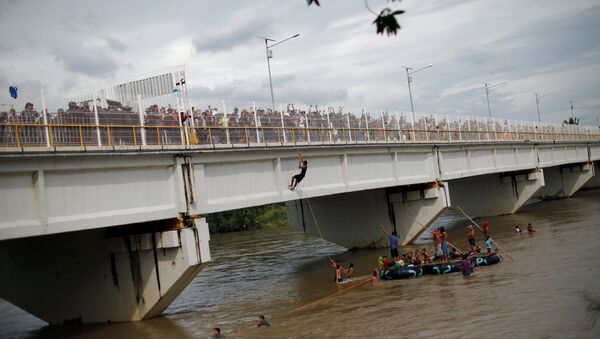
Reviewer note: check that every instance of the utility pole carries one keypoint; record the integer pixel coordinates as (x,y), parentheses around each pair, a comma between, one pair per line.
(537,103)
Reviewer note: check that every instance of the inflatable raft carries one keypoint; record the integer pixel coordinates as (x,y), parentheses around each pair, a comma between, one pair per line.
(432,269)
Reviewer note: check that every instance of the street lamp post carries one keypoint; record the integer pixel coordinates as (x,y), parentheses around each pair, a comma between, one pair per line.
(409,72)
(537,103)
(269,56)
(488,87)
(572,115)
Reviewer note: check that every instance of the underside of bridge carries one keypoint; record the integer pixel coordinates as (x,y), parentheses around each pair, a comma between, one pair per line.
(123,273)
(495,194)
(563,181)
(352,219)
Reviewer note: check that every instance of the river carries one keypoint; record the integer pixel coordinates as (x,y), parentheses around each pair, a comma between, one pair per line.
(551,290)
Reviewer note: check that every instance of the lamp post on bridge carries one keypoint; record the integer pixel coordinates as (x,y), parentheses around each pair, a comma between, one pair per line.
(409,72)
(488,87)
(537,103)
(269,56)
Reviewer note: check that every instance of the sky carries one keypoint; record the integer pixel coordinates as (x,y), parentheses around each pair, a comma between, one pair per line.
(548,47)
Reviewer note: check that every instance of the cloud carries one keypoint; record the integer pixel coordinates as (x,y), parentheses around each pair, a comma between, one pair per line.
(93,61)
(243,34)
(115,44)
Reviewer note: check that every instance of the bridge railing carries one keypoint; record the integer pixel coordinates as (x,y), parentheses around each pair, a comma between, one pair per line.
(336,130)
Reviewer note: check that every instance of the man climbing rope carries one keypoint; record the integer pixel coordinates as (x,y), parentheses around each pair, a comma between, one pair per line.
(302,165)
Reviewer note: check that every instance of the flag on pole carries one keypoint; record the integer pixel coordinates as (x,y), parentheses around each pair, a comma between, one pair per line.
(13,91)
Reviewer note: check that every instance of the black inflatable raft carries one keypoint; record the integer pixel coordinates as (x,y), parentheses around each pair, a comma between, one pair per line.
(440,268)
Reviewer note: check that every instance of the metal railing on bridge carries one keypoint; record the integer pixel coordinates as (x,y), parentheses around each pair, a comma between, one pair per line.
(335,128)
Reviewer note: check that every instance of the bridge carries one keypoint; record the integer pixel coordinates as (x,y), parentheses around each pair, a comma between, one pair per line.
(104,222)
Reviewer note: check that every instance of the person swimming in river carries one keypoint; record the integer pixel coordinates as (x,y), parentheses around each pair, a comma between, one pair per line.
(465,266)
(302,165)
(338,270)
(350,271)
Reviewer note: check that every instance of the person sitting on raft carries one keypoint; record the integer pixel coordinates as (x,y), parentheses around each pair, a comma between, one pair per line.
(466,266)
(455,253)
(426,257)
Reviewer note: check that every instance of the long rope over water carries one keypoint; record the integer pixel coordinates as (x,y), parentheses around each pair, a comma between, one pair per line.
(317,224)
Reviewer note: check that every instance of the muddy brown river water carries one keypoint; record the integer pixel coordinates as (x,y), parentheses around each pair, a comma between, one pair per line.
(551,290)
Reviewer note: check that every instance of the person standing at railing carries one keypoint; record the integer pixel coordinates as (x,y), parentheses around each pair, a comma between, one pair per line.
(302,165)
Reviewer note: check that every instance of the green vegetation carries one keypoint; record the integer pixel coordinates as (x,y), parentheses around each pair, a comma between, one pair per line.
(248,218)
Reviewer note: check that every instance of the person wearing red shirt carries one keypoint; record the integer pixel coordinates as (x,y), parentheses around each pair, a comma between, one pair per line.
(486,228)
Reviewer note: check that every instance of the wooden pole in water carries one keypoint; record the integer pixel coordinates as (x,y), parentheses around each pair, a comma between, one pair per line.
(423,226)
(362,282)
(479,227)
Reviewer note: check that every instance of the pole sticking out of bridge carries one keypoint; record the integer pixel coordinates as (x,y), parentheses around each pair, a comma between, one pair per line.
(479,227)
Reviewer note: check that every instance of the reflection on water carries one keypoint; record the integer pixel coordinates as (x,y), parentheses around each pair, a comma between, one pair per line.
(548,291)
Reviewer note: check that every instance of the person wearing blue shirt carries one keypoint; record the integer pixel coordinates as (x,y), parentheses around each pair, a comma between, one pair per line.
(393,242)
(488,244)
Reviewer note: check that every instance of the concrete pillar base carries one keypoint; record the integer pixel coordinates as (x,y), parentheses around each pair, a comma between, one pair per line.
(564,181)
(495,194)
(415,210)
(594,182)
(352,219)
(98,276)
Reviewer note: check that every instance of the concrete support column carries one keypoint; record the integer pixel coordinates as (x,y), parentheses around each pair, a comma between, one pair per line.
(99,276)
(414,210)
(563,181)
(352,219)
(495,194)
(594,182)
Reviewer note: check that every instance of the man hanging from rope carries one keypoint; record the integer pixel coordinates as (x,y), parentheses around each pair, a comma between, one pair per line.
(302,165)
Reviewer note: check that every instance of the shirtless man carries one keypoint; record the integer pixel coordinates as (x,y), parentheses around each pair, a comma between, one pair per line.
(338,270)
(302,165)
(471,236)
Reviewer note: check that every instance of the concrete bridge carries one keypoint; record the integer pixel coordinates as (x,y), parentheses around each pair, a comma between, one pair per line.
(95,233)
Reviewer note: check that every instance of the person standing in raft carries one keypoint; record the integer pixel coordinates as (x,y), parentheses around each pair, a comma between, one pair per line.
(302,165)
(471,237)
(393,242)
(486,228)
(444,238)
(488,244)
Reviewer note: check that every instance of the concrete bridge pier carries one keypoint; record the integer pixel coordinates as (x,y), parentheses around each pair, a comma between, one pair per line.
(495,194)
(352,219)
(563,181)
(124,273)
(594,182)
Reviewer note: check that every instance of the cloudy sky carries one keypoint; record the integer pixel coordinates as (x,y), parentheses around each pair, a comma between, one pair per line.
(547,46)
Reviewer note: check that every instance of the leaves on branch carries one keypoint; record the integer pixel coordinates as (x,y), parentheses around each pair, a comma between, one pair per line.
(386,21)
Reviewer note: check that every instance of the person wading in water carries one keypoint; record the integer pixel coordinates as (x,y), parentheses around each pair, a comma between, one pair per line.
(302,165)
